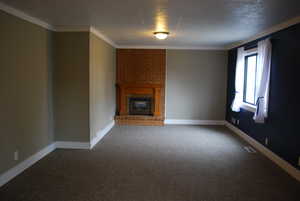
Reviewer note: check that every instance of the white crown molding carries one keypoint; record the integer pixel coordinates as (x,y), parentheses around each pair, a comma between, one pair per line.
(65,28)
(102,36)
(13,172)
(268,153)
(72,145)
(193,122)
(169,47)
(85,29)
(34,20)
(102,133)
(25,16)
(266,32)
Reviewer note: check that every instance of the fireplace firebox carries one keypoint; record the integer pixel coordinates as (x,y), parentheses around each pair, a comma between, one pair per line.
(140,105)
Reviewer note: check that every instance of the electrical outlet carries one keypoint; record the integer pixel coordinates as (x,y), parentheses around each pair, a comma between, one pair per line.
(267,141)
(16,155)
(233,120)
(238,122)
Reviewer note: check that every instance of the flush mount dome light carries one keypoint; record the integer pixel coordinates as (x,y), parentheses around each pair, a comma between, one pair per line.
(161,35)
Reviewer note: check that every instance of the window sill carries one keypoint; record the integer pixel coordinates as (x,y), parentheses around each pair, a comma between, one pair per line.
(248,107)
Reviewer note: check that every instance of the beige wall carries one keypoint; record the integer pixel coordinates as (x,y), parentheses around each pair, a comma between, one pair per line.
(102,84)
(25,88)
(196,84)
(81,69)
(84,85)
(71,86)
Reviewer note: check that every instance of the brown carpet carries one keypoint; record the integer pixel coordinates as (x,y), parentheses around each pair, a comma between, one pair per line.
(171,163)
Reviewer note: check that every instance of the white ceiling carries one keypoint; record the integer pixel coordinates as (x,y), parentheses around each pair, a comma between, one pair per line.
(191,23)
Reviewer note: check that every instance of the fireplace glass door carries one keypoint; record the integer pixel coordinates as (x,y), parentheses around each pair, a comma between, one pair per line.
(140,106)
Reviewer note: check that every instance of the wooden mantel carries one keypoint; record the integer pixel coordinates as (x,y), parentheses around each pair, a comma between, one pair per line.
(141,72)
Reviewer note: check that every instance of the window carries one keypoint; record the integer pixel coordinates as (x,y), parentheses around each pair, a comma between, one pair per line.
(250,80)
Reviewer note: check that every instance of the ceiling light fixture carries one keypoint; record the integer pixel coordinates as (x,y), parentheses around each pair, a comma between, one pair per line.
(161,35)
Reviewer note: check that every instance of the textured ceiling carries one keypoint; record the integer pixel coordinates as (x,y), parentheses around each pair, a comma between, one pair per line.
(191,23)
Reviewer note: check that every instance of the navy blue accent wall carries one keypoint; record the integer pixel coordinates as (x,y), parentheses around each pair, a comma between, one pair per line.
(283,125)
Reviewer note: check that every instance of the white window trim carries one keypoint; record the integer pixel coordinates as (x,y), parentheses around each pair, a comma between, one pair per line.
(247,106)
(250,51)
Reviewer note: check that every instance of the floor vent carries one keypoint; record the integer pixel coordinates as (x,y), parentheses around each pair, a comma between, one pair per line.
(250,149)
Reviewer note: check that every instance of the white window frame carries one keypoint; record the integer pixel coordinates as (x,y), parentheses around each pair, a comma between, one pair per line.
(244,105)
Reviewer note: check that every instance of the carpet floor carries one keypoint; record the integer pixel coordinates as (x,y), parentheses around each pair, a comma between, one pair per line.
(170,163)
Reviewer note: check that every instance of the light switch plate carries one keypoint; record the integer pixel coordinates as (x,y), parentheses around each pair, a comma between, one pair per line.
(233,120)
(267,141)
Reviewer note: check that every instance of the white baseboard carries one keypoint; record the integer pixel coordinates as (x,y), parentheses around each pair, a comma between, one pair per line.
(294,172)
(72,145)
(193,122)
(19,168)
(101,134)
(13,172)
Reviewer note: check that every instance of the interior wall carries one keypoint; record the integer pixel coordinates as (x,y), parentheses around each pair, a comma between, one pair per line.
(102,84)
(281,126)
(25,87)
(71,86)
(196,84)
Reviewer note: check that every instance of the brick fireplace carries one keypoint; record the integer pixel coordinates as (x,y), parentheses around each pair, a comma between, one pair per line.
(140,86)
